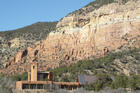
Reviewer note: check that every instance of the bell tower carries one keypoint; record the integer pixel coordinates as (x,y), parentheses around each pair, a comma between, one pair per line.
(34,72)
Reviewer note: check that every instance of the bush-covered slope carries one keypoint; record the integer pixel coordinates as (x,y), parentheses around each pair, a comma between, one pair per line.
(107,71)
(95,5)
(110,70)
(13,41)
(37,31)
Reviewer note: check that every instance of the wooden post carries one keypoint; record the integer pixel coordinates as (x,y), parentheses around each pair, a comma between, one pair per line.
(29,86)
(36,86)
(43,86)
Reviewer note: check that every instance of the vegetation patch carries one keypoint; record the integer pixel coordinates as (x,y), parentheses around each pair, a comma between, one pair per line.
(96,5)
(104,69)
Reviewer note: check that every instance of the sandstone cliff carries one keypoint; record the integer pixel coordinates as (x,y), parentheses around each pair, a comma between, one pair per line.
(14,41)
(79,37)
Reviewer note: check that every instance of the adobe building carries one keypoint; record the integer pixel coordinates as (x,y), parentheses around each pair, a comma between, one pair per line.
(44,80)
(34,75)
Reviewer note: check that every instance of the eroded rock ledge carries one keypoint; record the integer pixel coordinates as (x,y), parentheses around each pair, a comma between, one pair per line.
(80,37)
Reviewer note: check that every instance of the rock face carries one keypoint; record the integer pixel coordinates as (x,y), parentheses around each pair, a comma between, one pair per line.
(12,42)
(79,37)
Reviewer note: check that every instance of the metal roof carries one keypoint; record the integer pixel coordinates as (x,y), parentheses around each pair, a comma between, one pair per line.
(83,79)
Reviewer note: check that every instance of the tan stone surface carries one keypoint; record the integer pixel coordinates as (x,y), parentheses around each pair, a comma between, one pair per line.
(98,32)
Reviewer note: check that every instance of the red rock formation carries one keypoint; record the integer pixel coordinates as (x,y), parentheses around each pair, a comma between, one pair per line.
(98,36)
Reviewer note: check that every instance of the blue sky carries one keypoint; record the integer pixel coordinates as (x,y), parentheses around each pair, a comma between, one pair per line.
(19,13)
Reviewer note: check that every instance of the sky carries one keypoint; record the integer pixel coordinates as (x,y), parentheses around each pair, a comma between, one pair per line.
(15,14)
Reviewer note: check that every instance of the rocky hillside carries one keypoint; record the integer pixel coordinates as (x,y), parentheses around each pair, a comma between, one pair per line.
(104,27)
(116,69)
(12,42)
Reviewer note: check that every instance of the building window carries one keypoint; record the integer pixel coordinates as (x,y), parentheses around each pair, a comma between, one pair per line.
(33,67)
(40,86)
(47,86)
(25,86)
(32,86)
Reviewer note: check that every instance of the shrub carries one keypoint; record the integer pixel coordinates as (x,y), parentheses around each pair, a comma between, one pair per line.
(134,82)
(20,77)
(121,81)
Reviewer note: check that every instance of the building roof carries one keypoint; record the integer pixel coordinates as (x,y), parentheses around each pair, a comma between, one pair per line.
(83,79)
(43,72)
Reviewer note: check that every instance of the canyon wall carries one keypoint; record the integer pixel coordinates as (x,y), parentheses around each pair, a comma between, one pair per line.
(82,37)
